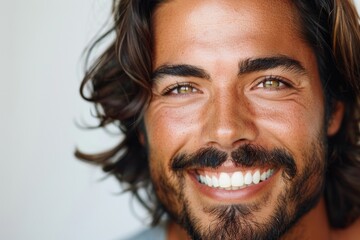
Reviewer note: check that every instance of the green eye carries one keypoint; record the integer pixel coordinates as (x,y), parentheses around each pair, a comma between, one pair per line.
(184,89)
(180,89)
(271,84)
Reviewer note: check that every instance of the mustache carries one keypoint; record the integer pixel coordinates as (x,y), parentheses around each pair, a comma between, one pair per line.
(248,155)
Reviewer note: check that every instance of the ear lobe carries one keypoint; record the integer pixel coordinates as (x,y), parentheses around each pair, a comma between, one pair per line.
(336,119)
(141,137)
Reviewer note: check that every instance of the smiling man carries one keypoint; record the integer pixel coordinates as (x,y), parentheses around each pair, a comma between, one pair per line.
(242,116)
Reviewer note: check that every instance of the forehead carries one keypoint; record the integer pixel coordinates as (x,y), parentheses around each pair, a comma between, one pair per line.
(184,27)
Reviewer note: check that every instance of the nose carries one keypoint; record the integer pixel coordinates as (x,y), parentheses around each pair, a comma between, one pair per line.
(229,120)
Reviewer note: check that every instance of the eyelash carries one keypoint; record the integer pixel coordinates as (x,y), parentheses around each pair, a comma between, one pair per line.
(168,90)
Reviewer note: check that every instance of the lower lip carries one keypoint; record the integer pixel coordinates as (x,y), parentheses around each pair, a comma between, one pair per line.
(243,194)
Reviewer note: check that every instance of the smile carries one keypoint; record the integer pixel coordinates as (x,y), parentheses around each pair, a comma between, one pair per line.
(233,181)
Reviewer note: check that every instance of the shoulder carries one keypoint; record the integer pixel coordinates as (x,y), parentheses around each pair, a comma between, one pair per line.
(349,233)
(155,233)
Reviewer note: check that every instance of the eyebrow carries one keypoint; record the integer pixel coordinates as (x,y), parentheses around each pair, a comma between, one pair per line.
(245,67)
(181,70)
(261,64)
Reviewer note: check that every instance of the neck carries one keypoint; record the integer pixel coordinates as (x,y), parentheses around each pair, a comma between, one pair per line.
(175,232)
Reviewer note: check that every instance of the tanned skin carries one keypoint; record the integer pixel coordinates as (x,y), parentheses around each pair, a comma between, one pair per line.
(276,107)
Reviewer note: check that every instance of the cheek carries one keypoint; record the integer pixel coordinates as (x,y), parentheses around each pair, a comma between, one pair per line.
(290,125)
(167,188)
(166,133)
(169,129)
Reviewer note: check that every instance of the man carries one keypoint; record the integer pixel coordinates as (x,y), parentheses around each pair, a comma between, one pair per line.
(242,116)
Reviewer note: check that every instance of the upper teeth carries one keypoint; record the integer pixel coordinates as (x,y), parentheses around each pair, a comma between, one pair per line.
(235,180)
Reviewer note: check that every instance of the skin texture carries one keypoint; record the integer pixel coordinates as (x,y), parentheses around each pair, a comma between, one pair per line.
(226,110)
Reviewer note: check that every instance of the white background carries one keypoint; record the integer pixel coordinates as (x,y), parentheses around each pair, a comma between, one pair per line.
(45,192)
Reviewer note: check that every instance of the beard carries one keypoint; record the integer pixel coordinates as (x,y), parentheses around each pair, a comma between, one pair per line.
(301,193)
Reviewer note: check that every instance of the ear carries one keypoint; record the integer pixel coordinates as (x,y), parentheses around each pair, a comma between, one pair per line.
(141,137)
(335,118)
(141,133)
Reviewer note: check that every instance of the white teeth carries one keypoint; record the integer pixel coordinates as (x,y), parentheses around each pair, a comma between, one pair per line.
(215,181)
(208,181)
(268,173)
(256,177)
(263,176)
(235,180)
(248,178)
(202,179)
(224,180)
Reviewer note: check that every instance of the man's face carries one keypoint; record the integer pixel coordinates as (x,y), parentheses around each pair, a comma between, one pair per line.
(235,128)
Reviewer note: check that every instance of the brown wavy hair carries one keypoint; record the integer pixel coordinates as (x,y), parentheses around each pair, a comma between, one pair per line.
(119,86)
